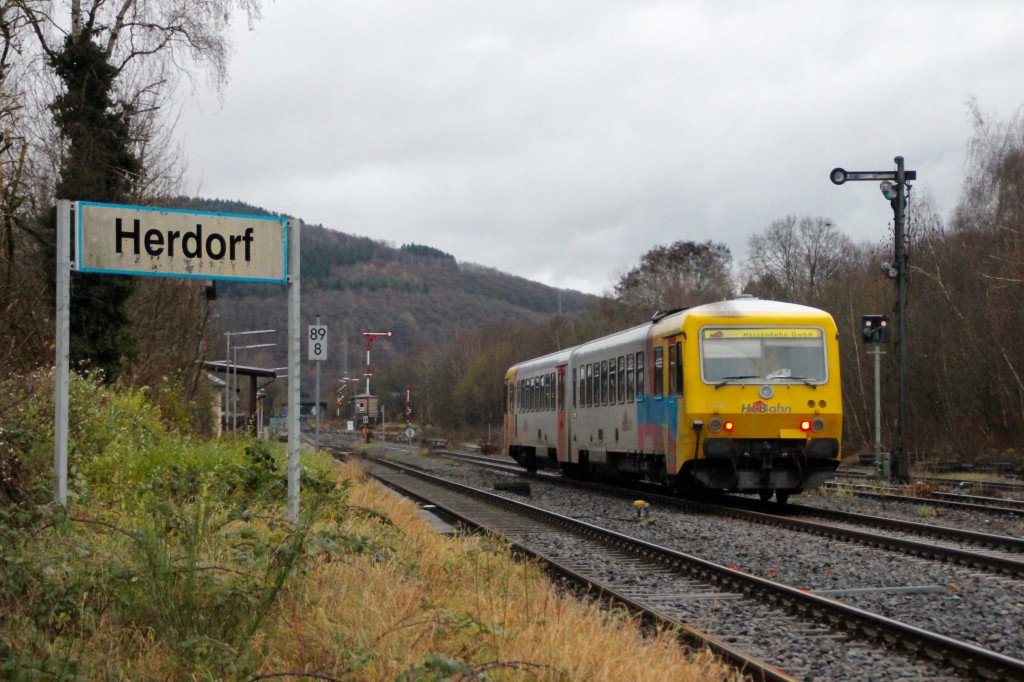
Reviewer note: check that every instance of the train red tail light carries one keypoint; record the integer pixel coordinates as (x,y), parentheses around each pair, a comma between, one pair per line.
(805,425)
(729,426)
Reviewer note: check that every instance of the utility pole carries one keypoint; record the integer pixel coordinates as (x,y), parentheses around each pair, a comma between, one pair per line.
(901,470)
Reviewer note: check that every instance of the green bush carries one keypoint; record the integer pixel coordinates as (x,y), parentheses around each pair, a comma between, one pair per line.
(166,539)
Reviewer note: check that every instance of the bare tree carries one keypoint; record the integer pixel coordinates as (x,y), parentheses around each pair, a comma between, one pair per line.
(684,273)
(797,259)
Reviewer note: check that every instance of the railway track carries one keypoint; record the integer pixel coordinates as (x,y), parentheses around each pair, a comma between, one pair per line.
(995,505)
(985,551)
(821,629)
(749,620)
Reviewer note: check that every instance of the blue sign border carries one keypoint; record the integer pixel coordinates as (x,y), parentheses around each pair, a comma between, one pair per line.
(156,209)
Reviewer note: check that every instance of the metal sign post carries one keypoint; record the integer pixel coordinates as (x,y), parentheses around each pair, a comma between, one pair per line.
(63,364)
(142,240)
(317,337)
(894,188)
(294,362)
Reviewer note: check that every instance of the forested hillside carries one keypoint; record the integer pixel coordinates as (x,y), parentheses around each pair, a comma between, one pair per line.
(357,284)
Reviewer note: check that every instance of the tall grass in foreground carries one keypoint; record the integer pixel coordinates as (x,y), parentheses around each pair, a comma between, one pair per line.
(174,562)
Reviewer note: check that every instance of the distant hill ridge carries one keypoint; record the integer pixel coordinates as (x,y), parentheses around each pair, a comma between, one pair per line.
(357,284)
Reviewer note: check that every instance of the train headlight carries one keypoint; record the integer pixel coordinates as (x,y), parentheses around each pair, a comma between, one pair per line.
(715,425)
(817,424)
(805,425)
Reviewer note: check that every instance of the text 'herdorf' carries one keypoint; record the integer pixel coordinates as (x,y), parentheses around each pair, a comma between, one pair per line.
(187,243)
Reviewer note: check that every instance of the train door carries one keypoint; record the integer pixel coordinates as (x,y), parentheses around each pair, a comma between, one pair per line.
(560,401)
(510,421)
(673,393)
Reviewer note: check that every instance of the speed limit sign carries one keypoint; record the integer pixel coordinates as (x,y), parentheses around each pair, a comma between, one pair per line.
(317,339)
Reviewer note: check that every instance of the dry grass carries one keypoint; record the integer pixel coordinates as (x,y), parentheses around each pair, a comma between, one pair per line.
(412,594)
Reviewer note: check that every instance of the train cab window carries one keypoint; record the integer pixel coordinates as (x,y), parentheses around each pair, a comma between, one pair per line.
(640,375)
(679,368)
(622,380)
(672,363)
(604,382)
(613,381)
(629,378)
(659,370)
(768,355)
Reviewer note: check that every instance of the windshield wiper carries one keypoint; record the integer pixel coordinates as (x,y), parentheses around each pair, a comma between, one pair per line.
(726,380)
(802,380)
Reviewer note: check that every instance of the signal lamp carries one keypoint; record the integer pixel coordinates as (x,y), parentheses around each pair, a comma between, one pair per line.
(805,426)
(729,426)
(818,424)
(715,425)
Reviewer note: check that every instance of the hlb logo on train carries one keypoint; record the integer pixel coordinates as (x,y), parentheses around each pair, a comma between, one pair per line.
(761,407)
(142,240)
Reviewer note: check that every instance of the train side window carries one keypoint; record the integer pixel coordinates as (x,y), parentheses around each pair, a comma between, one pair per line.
(574,388)
(622,380)
(595,382)
(679,368)
(604,382)
(613,381)
(659,370)
(589,384)
(629,378)
(640,375)
(672,369)
(551,391)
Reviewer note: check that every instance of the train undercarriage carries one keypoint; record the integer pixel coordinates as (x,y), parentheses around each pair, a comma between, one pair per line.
(762,467)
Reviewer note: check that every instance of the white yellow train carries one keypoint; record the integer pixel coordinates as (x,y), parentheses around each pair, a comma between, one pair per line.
(740,395)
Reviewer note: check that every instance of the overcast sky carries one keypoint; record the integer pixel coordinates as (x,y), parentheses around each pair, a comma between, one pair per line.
(560,140)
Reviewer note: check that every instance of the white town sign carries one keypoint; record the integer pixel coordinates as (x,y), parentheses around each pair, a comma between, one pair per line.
(142,240)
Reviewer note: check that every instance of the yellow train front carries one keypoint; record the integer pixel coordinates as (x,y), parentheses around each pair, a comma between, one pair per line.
(740,395)
(760,407)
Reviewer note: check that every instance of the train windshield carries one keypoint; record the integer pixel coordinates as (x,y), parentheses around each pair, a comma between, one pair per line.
(763,355)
